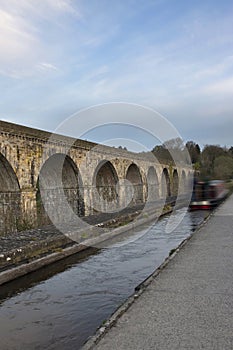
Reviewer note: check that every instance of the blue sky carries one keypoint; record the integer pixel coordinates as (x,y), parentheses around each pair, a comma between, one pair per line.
(59,56)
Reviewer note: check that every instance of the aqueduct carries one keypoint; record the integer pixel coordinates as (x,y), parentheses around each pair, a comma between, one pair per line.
(92,176)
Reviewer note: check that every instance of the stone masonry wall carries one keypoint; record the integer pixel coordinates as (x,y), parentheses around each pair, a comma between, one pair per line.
(23,153)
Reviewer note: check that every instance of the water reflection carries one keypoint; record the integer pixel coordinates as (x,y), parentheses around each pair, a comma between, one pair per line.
(60,306)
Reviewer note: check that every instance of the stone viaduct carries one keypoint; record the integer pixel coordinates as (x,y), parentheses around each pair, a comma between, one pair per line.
(92,176)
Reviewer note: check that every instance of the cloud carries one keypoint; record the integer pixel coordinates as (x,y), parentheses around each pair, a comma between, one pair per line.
(40,8)
(23,41)
(71,54)
(44,66)
(221,87)
(15,36)
(63,6)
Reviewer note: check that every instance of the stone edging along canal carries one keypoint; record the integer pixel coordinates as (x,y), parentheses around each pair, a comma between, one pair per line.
(32,257)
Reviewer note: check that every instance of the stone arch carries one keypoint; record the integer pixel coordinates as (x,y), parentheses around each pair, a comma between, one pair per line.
(10,197)
(183,181)
(134,177)
(152,185)
(59,173)
(175,183)
(165,184)
(105,181)
(190,181)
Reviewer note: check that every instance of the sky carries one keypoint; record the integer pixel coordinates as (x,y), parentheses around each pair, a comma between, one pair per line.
(58,57)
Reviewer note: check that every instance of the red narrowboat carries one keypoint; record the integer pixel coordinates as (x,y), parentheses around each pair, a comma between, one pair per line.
(208,194)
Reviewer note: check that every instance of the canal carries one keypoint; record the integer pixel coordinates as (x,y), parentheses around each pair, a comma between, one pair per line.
(60,306)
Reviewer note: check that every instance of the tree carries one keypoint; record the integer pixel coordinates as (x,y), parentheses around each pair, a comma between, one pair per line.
(223,167)
(208,156)
(194,151)
(174,144)
(170,151)
(230,151)
(124,148)
(162,154)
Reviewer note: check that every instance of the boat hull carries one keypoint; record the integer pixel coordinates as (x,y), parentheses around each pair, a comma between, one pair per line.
(218,195)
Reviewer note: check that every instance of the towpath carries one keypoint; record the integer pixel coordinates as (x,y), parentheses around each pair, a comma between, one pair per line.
(189,305)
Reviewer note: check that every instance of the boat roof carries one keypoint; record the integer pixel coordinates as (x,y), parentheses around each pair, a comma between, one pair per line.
(216,182)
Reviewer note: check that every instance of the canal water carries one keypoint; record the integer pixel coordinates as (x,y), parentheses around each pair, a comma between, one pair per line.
(60,306)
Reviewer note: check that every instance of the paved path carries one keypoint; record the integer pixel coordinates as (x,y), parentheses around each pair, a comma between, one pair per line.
(189,305)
